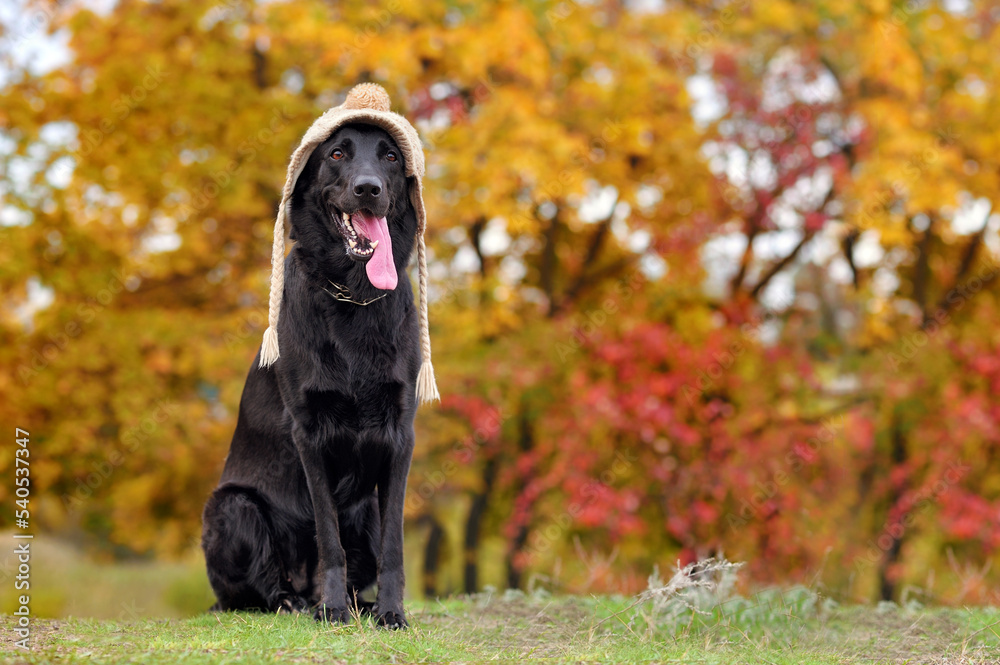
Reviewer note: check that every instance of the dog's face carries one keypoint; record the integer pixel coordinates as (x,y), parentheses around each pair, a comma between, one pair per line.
(357,178)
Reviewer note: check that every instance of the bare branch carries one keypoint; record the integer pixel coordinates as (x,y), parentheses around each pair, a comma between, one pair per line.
(922,270)
(741,274)
(547,270)
(593,249)
(780,265)
(475,234)
(849,241)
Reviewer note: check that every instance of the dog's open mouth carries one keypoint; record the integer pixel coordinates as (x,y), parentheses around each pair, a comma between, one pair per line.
(367,239)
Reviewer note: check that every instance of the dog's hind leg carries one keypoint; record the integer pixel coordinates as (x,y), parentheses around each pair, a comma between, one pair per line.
(244,565)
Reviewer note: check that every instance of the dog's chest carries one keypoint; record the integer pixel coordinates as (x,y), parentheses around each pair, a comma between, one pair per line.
(366,355)
(359,379)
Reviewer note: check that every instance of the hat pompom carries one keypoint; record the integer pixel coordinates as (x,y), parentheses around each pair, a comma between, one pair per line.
(367,96)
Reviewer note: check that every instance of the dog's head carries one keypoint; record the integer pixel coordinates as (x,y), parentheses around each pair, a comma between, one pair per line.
(354,194)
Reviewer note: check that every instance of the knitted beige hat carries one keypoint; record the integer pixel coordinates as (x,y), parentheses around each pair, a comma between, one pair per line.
(367,103)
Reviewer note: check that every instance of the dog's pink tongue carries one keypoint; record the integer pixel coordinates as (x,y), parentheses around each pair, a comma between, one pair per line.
(380,268)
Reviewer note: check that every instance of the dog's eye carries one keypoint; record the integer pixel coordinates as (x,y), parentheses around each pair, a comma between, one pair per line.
(337,153)
(391,156)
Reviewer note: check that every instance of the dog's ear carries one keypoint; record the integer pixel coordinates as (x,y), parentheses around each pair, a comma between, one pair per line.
(291,232)
(411,219)
(411,213)
(404,229)
(303,184)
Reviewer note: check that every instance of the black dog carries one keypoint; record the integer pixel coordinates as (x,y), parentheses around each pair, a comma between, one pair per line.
(310,506)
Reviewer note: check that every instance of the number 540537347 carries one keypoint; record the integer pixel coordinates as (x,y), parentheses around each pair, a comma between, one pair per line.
(22,473)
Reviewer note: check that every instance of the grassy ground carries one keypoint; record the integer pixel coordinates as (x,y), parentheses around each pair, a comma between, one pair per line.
(153,612)
(66,582)
(785,628)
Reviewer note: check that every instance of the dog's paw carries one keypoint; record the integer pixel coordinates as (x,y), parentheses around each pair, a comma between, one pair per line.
(392,621)
(292,605)
(330,614)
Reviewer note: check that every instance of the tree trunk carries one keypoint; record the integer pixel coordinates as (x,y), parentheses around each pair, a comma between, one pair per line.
(432,557)
(473,525)
(526,441)
(513,571)
(547,269)
(887,586)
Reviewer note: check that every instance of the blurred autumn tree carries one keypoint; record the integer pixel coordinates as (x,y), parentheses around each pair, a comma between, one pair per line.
(707,277)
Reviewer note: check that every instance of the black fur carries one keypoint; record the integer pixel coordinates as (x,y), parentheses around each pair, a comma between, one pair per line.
(309,511)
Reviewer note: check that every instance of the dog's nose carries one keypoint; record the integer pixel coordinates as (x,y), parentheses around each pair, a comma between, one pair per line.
(367,185)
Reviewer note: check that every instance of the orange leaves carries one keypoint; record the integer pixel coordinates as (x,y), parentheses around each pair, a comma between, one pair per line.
(159,361)
(888,60)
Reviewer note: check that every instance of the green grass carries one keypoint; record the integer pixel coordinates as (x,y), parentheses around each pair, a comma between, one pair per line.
(790,627)
(65,582)
(153,612)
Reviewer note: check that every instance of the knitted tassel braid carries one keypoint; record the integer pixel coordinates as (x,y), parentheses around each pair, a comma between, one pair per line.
(427,390)
(366,103)
(269,348)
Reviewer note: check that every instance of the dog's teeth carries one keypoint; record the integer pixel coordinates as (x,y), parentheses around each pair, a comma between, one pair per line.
(351,242)
(374,244)
(347,218)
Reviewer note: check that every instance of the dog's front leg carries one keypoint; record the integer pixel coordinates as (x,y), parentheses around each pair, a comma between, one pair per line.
(391,495)
(333,604)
